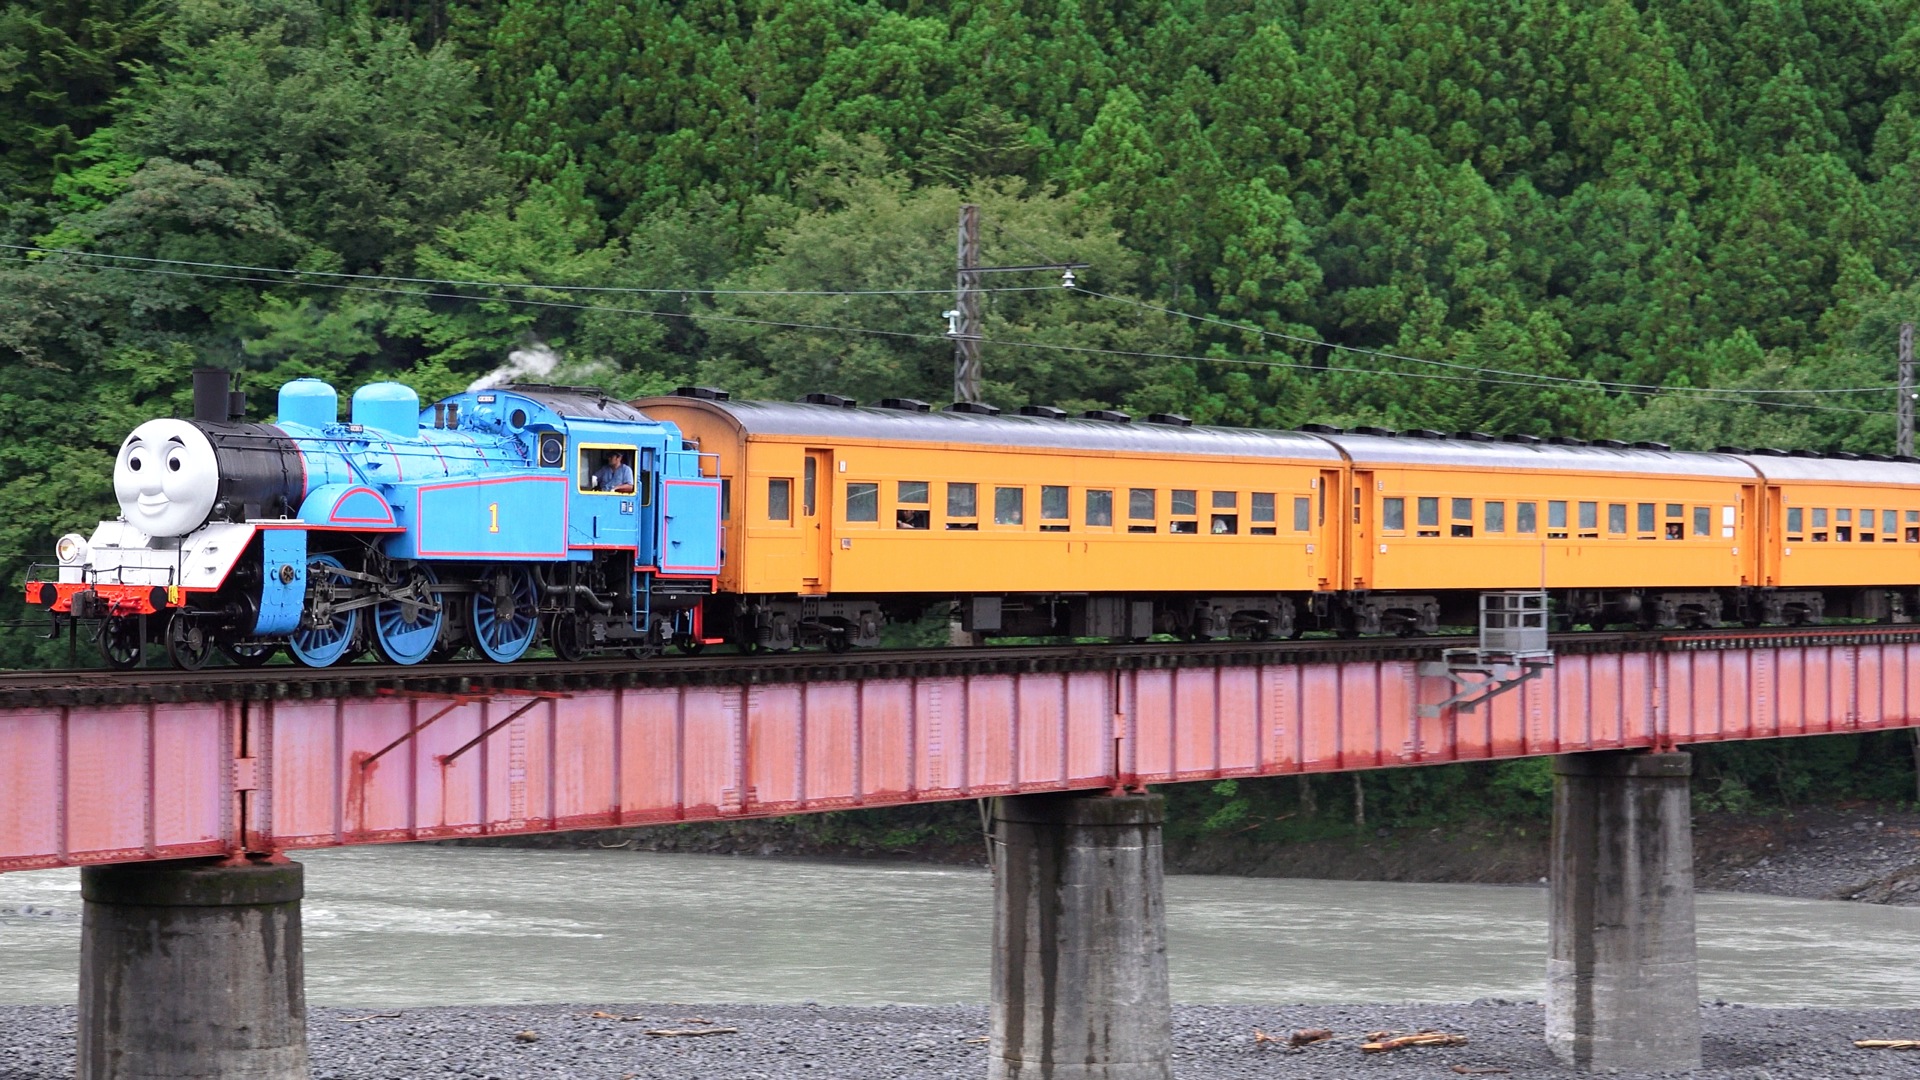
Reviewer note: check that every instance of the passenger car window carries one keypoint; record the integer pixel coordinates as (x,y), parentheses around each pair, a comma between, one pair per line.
(1496,517)
(1393,514)
(780,499)
(962,507)
(1226,500)
(1263,515)
(1524,517)
(1183,502)
(1009,505)
(863,502)
(1053,508)
(1140,509)
(1590,515)
(1462,517)
(1703,521)
(1302,514)
(1796,519)
(912,512)
(1645,516)
(1428,510)
(1889,525)
(1617,518)
(1100,508)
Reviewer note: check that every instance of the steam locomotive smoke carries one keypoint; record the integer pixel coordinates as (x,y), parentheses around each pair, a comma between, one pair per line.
(536,362)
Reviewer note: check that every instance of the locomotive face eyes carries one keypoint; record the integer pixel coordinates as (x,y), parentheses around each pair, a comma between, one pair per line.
(166,478)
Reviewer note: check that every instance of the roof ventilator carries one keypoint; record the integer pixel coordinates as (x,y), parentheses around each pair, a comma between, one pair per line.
(1321,429)
(1385,433)
(974,408)
(1171,419)
(1522,439)
(1044,412)
(1767,451)
(905,404)
(834,400)
(1730,450)
(1473,436)
(1649,444)
(1843,455)
(1422,433)
(1805,453)
(1565,440)
(1513,649)
(1112,416)
(702,393)
(1608,444)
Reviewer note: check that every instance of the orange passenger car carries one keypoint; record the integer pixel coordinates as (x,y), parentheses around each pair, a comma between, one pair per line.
(840,516)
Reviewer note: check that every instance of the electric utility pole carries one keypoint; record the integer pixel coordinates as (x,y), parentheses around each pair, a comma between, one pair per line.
(963,319)
(1904,441)
(966,340)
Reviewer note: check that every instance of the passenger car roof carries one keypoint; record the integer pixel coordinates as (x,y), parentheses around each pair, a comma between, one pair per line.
(755,418)
(1377,450)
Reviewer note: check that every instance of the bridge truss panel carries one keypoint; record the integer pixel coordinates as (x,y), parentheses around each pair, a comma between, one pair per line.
(117,783)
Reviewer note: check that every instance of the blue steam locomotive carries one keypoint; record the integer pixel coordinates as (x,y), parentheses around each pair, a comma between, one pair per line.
(478,522)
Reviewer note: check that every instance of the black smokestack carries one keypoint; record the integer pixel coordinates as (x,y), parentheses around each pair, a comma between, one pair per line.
(212,390)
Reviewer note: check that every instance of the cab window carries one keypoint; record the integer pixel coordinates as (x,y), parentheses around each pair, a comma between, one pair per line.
(612,470)
(607,470)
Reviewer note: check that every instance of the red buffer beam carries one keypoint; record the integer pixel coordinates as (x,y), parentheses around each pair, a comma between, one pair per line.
(120,783)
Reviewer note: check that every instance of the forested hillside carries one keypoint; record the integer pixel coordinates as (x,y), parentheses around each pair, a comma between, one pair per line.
(1668,219)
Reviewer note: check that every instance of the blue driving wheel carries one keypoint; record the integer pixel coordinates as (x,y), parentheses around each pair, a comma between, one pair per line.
(506,609)
(323,645)
(407,626)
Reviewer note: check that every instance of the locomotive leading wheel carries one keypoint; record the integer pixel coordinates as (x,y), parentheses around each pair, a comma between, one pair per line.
(333,638)
(189,645)
(506,608)
(406,626)
(568,632)
(120,642)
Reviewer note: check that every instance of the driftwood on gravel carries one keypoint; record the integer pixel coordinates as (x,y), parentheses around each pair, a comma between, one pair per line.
(1380,1042)
(1887,1044)
(669,1033)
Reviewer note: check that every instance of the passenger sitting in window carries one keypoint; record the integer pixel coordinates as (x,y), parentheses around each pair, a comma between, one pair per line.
(909,519)
(1674,531)
(616,475)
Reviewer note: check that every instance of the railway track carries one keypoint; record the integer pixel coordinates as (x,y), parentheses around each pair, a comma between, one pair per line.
(22,689)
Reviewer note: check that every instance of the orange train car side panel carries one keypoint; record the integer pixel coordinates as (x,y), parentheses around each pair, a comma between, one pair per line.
(122,783)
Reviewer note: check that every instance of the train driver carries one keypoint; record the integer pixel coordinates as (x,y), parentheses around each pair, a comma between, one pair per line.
(615,475)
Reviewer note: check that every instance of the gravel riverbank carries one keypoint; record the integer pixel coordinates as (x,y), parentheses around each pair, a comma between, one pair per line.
(1211,1042)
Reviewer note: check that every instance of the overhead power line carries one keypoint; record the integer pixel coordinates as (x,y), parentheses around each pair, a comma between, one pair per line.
(456,282)
(1508,372)
(1491,375)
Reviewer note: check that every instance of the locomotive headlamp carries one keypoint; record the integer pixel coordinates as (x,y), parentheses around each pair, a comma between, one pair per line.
(72,549)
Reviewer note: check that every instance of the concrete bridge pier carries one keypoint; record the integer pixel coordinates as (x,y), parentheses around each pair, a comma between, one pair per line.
(1622,987)
(192,970)
(1079,940)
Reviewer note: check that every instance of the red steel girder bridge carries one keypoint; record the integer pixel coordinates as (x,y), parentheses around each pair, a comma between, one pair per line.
(105,768)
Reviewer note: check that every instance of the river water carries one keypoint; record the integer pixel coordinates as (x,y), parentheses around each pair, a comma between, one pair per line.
(422,925)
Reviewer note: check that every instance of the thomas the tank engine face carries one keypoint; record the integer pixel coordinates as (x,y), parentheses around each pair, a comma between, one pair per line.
(166,478)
